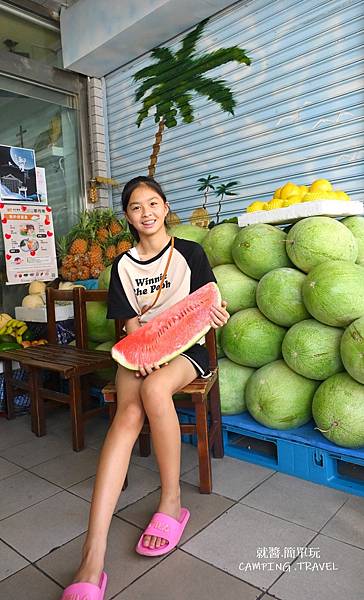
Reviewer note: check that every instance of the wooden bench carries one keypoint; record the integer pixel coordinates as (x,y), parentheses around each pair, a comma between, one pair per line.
(204,397)
(74,364)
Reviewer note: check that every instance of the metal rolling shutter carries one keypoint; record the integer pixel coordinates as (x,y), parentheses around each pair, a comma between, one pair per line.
(299,115)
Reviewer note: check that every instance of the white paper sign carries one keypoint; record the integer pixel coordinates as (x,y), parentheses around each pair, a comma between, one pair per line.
(30,252)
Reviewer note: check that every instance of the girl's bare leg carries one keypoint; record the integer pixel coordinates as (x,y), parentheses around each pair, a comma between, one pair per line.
(111,471)
(156,393)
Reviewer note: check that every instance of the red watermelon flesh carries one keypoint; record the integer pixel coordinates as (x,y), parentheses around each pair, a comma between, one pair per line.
(170,333)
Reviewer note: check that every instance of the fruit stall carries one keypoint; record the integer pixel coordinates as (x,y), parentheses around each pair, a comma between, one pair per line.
(291,366)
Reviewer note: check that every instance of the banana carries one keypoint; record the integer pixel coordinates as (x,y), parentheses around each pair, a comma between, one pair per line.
(19,339)
(2,330)
(22,329)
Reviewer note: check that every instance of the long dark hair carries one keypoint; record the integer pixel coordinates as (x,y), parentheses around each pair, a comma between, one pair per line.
(132,185)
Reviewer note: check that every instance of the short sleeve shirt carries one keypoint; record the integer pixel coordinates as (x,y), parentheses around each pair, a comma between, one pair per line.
(135,283)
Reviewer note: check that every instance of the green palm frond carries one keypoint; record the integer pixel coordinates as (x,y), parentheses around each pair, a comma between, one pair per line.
(216,91)
(190,41)
(220,57)
(174,75)
(185,108)
(224,189)
(206,182)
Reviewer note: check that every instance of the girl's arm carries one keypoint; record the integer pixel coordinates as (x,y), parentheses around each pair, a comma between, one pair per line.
(132,325)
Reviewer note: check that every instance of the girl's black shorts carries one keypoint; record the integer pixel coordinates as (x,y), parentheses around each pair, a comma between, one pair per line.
(199,357)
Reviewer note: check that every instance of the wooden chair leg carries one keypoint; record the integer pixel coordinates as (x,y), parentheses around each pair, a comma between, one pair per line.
(78,437)
(204,457)
(36,404)
(215,412)
(9,389)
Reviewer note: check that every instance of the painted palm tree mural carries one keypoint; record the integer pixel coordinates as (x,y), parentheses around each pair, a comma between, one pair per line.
(169,84)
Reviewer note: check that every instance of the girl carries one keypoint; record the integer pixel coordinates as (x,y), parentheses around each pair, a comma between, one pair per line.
(181,267)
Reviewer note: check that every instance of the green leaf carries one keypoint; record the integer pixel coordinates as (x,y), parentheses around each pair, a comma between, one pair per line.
(220,57)
(216,91)
(185,108)
(190,40)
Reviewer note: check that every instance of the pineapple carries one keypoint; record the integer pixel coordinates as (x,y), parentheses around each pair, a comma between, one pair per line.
(115,225)
(123,245)
(96,269)
(102,221)
(110,252)
(200,217)
(80,234)
(95,253)
(172,219)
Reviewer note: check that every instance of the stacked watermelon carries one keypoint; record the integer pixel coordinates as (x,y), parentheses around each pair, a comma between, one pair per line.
(294,345)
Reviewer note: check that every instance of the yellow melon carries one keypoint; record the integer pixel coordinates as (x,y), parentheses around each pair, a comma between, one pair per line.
(255,206)
(321,185)
(289,189)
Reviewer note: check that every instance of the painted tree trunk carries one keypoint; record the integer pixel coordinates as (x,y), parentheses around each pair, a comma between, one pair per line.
(219,209)
(156,149)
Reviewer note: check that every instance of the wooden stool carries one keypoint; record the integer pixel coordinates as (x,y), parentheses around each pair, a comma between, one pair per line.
(204,398)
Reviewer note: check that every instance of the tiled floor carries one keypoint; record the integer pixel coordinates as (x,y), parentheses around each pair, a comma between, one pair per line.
(260,535)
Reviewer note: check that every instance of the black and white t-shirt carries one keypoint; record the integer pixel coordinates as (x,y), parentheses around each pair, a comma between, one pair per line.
(134,283)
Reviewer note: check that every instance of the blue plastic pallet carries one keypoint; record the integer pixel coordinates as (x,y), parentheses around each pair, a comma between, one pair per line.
(302,452)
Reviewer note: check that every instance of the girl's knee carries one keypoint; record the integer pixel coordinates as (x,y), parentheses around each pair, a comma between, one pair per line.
(131,415)
(151,392)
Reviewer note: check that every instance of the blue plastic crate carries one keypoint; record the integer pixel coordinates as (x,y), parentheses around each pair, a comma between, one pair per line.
(302,452)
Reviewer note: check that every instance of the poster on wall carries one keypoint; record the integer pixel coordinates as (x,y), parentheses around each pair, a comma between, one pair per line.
(18,181)
(30,251)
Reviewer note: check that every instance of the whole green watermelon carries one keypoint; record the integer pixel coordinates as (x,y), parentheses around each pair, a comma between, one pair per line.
(258,249)
(188,232)
(107,374)
(333,292)
(219,350)
(313,349)
(279,296)
(279,398)
(315,240)
(356,226)
(99,328)
(104,279)
(218,242)
(338,410)
(352,349)
(232,381)
(251,340)
(236,288)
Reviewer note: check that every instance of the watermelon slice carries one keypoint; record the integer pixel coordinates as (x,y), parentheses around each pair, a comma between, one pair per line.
(170,333)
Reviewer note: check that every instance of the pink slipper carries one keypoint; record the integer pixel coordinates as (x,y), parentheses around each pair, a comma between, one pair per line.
(162,525)
(86,591)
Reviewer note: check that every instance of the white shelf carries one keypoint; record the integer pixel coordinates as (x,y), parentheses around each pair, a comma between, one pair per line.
(51,151)
(290,214)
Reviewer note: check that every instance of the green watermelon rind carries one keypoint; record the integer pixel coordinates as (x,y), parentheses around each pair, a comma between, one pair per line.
(171,313)
(331,404)
(314,240)
(352,349)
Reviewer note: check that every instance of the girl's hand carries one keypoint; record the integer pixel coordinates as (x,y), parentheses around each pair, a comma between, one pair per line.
(219,315)
(145,370)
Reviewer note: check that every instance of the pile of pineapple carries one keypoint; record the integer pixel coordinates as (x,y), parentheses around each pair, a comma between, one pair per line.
(92,244)
(290,194)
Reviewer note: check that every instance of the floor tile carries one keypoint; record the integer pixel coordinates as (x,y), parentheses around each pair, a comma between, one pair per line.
(70,468)
(347,524)
(188,577)
(296,500)
(305,581)
(123,565)
(15,431)
(10,562)
(204,508)
(29,584)
(189,458)
(234,541)
(141,483)
(231,477)
(38,450)
(37,530)
(22,490)
(7,468)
